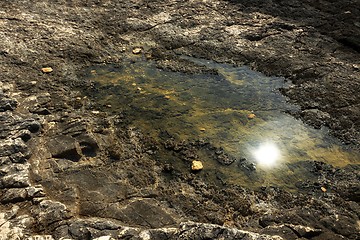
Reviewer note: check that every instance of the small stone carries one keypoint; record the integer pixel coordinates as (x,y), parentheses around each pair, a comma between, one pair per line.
(93,71)
(323,189)
(47,70)
(167,97)
(196,165)
(136,50)
(133,84)
(251,116)
(95,112)
(202,129)
(103,238)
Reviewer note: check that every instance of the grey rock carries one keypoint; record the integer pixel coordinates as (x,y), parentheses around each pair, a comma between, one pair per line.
(144,212)
(41,237)
(16,176)
(13,225)
(35,192)
(15,149)
(51,211)
(63,146)
(192,230)
(304,231)
(7,104)
(13,195)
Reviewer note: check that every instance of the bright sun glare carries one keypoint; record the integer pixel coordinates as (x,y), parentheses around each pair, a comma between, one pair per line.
(267,154)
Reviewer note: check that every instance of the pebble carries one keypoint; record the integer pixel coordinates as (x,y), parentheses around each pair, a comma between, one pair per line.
(167,97)
(137,50)
(323,189)
(47,70)
(251,116)
(196,165)
(202,129)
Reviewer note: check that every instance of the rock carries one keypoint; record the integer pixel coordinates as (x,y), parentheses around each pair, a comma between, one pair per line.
(35,192)
(15,176)
(104,238)
(343,225)
(63,146)
(13,225)
(202,129)
(7,104)
(15,149)
(137,50)
(51,211)
(13,195)
(304,231)
(251,116)
(224,158)
(191,230)
(79,231)
(88,145)
(43,237)
(142,212)
(47,70)
(196,165)
(11,124)
(280,230)
(308,52)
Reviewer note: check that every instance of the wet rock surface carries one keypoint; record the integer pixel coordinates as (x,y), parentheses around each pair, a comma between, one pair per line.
(70,170)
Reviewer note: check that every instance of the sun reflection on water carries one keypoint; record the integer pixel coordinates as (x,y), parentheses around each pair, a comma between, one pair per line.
(267,155)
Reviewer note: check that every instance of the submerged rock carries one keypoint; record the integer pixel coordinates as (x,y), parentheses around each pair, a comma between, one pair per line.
(251,116)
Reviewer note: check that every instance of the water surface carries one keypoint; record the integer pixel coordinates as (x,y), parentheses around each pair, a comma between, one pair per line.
(238,110)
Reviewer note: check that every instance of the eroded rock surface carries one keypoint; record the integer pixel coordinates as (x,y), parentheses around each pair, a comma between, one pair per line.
(70,170)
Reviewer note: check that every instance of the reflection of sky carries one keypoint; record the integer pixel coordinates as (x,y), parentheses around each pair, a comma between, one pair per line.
(267,155)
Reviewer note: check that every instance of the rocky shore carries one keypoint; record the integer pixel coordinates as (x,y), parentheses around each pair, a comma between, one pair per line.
(70,170)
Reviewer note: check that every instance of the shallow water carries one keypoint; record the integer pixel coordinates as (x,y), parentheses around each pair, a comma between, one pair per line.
(238,110)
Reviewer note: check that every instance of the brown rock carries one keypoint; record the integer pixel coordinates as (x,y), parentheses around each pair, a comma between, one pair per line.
(251,116)
(196,165)
(47,70)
